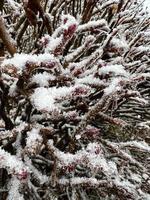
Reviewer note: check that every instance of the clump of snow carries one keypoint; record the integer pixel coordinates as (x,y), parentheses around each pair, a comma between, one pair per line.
(147,5)
(66,22)
(43,100)
(19,60)
(79,181)
(33,140)
(93,24)
(12,89)
(114,69)
(114,86)
(90,80)
(78,137)
(136,177)
(68,27)
(142,48)
(14,193)
(53,44)
(9,161)
(92,157)
(119,43)
(14,5)
(42,79)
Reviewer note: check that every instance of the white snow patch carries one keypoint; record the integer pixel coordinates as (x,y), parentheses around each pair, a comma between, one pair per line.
(113,87)
(33,137)
(20,60)
(42,79)
(114,69)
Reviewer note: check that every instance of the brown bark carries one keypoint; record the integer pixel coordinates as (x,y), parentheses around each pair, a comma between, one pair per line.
(6,38)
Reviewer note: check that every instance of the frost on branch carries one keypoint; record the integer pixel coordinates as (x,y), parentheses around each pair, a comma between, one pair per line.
(9,162)
(75,101)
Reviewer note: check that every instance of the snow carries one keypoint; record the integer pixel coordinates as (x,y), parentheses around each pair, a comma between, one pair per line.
(114,86)
(91,157)
(66,22)
(145,124)
(128,186)
(137,178)
(20,60)
(78,137)
(45,99)
(82,83)
(14,5)
(143,146)
(120,43)
(89,80)
(142,49)
(79,181)
(42,79)
(12,89)
(9,161)
(93,24)
(14,190)
(114,69)
(33,139)
(68,26)
(147,5)
(53,44)
(141,100)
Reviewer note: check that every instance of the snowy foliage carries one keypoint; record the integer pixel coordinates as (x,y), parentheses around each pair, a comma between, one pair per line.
(74,100)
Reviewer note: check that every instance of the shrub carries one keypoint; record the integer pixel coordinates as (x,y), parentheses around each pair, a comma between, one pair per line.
(74,101)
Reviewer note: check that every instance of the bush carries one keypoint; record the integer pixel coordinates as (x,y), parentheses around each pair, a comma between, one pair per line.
(75,100)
